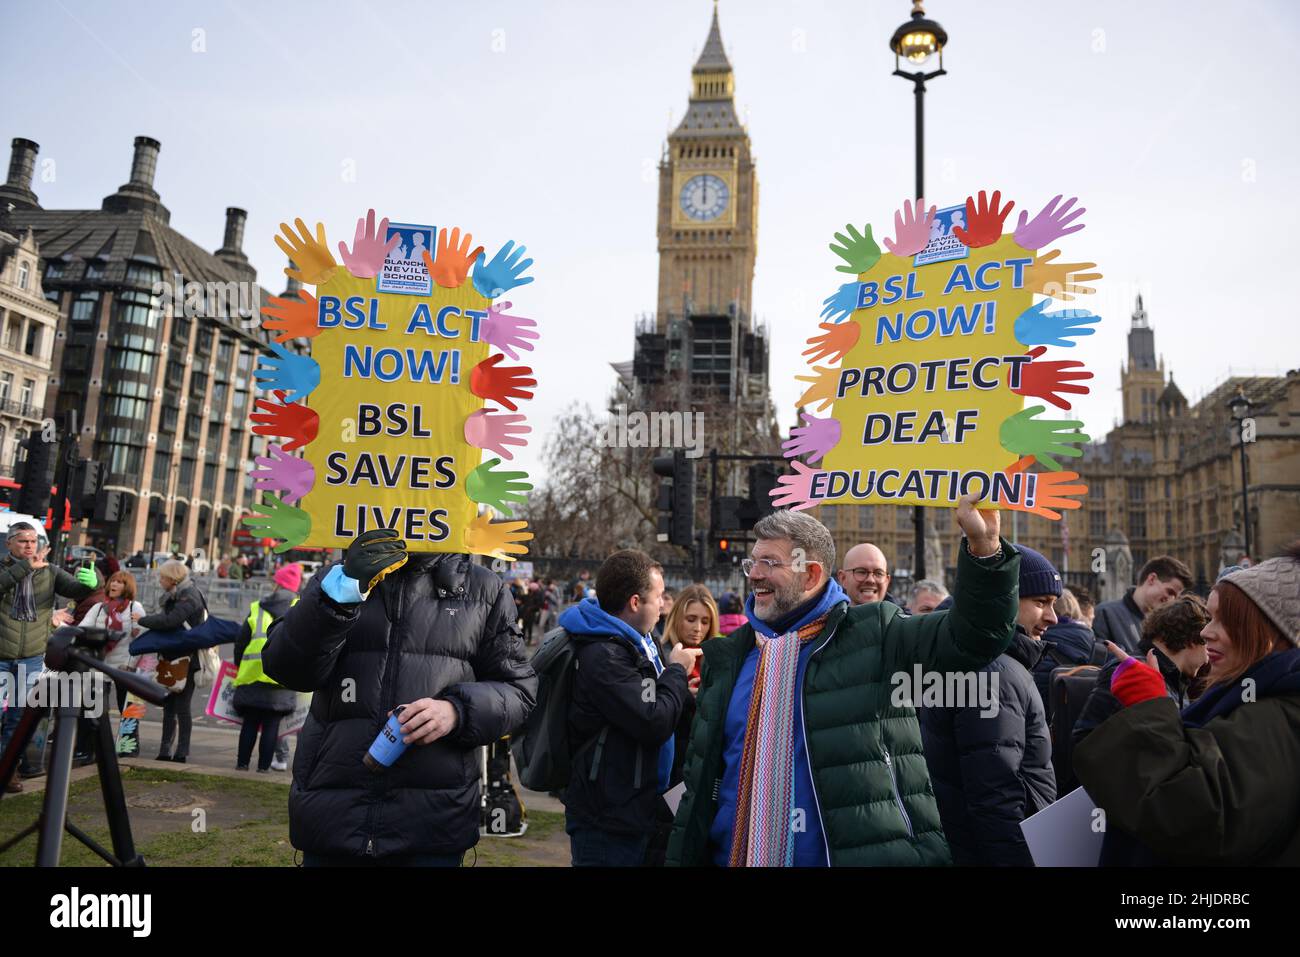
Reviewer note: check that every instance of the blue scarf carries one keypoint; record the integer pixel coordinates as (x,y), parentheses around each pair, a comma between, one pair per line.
(588,618)
(1275,674)
(810,610)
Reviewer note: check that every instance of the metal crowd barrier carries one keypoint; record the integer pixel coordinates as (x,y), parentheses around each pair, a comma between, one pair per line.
(226,598)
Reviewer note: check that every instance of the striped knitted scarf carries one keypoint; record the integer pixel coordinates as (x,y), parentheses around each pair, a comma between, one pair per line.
(761,837)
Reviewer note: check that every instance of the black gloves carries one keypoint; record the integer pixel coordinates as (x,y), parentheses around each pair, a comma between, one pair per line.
(372,555)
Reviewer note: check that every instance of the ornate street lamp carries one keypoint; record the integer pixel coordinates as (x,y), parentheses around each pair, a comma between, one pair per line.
(916,41)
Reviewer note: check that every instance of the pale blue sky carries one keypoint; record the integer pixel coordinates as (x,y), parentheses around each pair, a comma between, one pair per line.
(1174,122)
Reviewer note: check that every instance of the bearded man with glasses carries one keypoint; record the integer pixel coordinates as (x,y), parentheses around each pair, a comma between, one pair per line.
(799,755)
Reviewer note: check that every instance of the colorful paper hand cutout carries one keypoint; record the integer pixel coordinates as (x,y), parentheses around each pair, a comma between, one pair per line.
(1042,438)
(497,489)
(501,384)
(291,420)
(1049,225)
(814,438)
(822,388)
(454,257)
(495,431)
(912,233)
(983,222)
(369,248)
(277,520)
(1058,280)
(1043,380)
(292,318)
(507,333)
(278,472)
(503,273)
(794,491)
(858,250)
(297,375)
(1050,491)
(312,256)
(497,539)
(834,342)
(841,303)
(1035,327)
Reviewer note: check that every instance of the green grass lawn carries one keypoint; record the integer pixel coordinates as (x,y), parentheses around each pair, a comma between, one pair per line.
(243,823)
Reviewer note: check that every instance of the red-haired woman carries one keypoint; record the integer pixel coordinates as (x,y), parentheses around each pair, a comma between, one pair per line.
(117,613)
(1220,783)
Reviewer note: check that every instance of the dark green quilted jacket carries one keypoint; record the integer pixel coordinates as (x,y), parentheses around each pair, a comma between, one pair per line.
(869,775)
(26,639)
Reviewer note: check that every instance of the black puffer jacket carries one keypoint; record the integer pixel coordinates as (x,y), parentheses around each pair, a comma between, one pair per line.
(990,773)
(441,627)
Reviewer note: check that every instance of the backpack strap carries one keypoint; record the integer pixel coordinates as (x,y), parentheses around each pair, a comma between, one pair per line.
(1099,654)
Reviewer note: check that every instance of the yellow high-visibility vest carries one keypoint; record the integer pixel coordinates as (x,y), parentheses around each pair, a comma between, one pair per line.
(250,665)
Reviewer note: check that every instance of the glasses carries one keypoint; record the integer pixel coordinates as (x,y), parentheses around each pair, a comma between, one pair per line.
(747,565)
(862,574)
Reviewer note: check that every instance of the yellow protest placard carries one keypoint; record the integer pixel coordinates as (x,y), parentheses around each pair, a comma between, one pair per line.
(926,369)
(391,404)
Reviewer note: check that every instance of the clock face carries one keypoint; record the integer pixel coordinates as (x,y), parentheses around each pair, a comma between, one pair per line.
(704,197)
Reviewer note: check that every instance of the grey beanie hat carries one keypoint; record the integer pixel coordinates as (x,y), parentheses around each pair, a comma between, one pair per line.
(1274,586)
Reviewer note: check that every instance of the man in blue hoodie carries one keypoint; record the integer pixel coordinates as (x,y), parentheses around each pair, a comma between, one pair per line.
(623,713)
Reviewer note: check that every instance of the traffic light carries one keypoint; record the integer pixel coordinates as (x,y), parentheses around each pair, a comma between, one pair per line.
(37,476)
(723,554)
(108,506)
(84,487)
(676,498)
(762,479)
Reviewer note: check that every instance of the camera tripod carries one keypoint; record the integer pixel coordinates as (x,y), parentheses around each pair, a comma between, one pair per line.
(73,650)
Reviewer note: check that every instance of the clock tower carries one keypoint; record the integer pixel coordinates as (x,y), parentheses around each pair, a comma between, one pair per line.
(708,199)
(702,348)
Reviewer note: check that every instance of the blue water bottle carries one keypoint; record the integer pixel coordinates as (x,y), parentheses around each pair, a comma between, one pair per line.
(388,745)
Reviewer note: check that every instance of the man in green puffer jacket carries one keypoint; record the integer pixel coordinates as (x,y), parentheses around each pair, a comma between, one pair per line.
(818,692)
(28,584)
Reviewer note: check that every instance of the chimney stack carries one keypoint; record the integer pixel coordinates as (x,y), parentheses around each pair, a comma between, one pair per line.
(138,194)
(145,162)
(231,252)
(235,219)
(18,185)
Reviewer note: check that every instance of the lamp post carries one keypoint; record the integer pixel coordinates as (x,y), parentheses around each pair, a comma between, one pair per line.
(916,41)
(1239,406)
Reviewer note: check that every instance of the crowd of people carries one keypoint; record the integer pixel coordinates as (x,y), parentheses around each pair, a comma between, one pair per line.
(769,730)
(36,597)
(1163,666)
(784,727)
(237,567)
